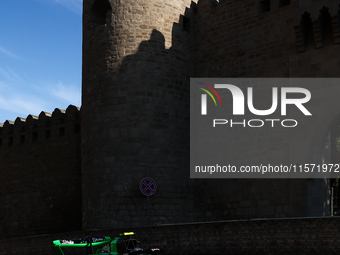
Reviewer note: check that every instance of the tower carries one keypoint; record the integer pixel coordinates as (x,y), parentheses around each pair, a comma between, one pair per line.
(135,111)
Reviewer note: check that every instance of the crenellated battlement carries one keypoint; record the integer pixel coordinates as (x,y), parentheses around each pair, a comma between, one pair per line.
(256,38)
(317,24)
(38,128)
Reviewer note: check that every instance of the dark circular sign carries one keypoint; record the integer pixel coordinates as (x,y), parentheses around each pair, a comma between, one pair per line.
(147,186)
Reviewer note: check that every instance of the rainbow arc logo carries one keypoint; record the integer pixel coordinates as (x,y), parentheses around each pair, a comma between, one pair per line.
(204,97)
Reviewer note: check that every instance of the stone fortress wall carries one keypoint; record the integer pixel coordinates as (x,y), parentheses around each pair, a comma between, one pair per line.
(40,184)
(137,61)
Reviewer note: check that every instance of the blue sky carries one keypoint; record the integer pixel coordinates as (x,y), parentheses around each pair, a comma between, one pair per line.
(40,56)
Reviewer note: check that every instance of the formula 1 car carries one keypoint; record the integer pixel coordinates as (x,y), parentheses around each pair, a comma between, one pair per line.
(105,245)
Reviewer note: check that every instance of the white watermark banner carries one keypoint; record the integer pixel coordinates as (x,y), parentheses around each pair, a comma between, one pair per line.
(264,127)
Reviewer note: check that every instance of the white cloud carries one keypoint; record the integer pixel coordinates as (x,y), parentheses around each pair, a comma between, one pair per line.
(21,105)
(73,5)
(20,97)
(69,93)
(8,53)
(15,97)
(10,77)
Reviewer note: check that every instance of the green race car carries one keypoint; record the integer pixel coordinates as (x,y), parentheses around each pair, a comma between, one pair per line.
(124,244)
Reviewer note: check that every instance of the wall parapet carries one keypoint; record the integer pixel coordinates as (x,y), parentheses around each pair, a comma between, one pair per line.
(42,127)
